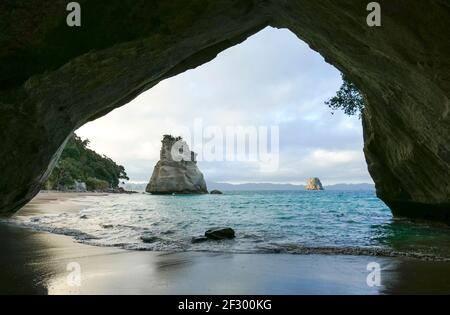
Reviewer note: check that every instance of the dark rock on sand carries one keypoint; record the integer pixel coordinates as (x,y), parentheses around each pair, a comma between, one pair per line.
(199,239)
(149,239)
(216,192)
(220,233)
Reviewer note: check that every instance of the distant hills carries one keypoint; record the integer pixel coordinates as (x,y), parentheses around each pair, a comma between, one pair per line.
(270,186)
(266,187)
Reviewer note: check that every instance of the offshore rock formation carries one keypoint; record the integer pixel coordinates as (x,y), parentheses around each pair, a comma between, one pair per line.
(55,78)
(314,184)
(176,172)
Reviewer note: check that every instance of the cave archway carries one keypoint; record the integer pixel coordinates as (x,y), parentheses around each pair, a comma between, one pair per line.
(55,79)
(271,82)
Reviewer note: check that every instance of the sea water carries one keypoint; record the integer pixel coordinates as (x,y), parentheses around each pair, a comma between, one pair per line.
(297,222)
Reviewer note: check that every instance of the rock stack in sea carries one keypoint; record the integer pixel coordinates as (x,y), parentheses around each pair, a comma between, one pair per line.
(314,184)
(177,171)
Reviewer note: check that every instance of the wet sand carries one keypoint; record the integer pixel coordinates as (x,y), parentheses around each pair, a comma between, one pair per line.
(36,263)
(48,202)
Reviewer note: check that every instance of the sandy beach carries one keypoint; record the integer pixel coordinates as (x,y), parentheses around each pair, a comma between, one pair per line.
(40,263)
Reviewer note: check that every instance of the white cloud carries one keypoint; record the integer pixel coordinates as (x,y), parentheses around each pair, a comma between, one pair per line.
(334,158)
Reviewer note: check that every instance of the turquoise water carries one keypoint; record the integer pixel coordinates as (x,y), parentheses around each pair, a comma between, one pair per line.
(329,222)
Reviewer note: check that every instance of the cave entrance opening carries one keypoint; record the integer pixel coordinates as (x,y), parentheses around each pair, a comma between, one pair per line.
(256,119)
(254,114)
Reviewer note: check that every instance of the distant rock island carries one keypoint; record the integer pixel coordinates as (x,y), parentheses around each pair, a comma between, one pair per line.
(176,172)
(314,184)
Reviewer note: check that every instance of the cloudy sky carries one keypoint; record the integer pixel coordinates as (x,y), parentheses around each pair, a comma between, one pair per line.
(272,79)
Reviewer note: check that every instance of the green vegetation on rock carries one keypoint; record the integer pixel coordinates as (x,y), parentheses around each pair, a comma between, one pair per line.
(78,163)
(348,98)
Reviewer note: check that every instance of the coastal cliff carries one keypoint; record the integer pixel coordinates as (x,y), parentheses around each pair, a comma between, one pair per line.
(176,172)
(82,169)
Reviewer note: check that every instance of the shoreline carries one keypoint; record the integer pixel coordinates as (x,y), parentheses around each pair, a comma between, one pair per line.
(48,202)
(55,202)
(36,263)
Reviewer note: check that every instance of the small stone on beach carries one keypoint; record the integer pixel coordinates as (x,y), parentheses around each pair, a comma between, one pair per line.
(220,233)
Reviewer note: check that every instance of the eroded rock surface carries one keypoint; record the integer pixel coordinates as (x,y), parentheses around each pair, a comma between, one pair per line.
(176,172)
(314,184)
(54,79)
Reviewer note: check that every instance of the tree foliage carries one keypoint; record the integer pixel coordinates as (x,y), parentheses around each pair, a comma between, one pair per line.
(79,163)
(348,99)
